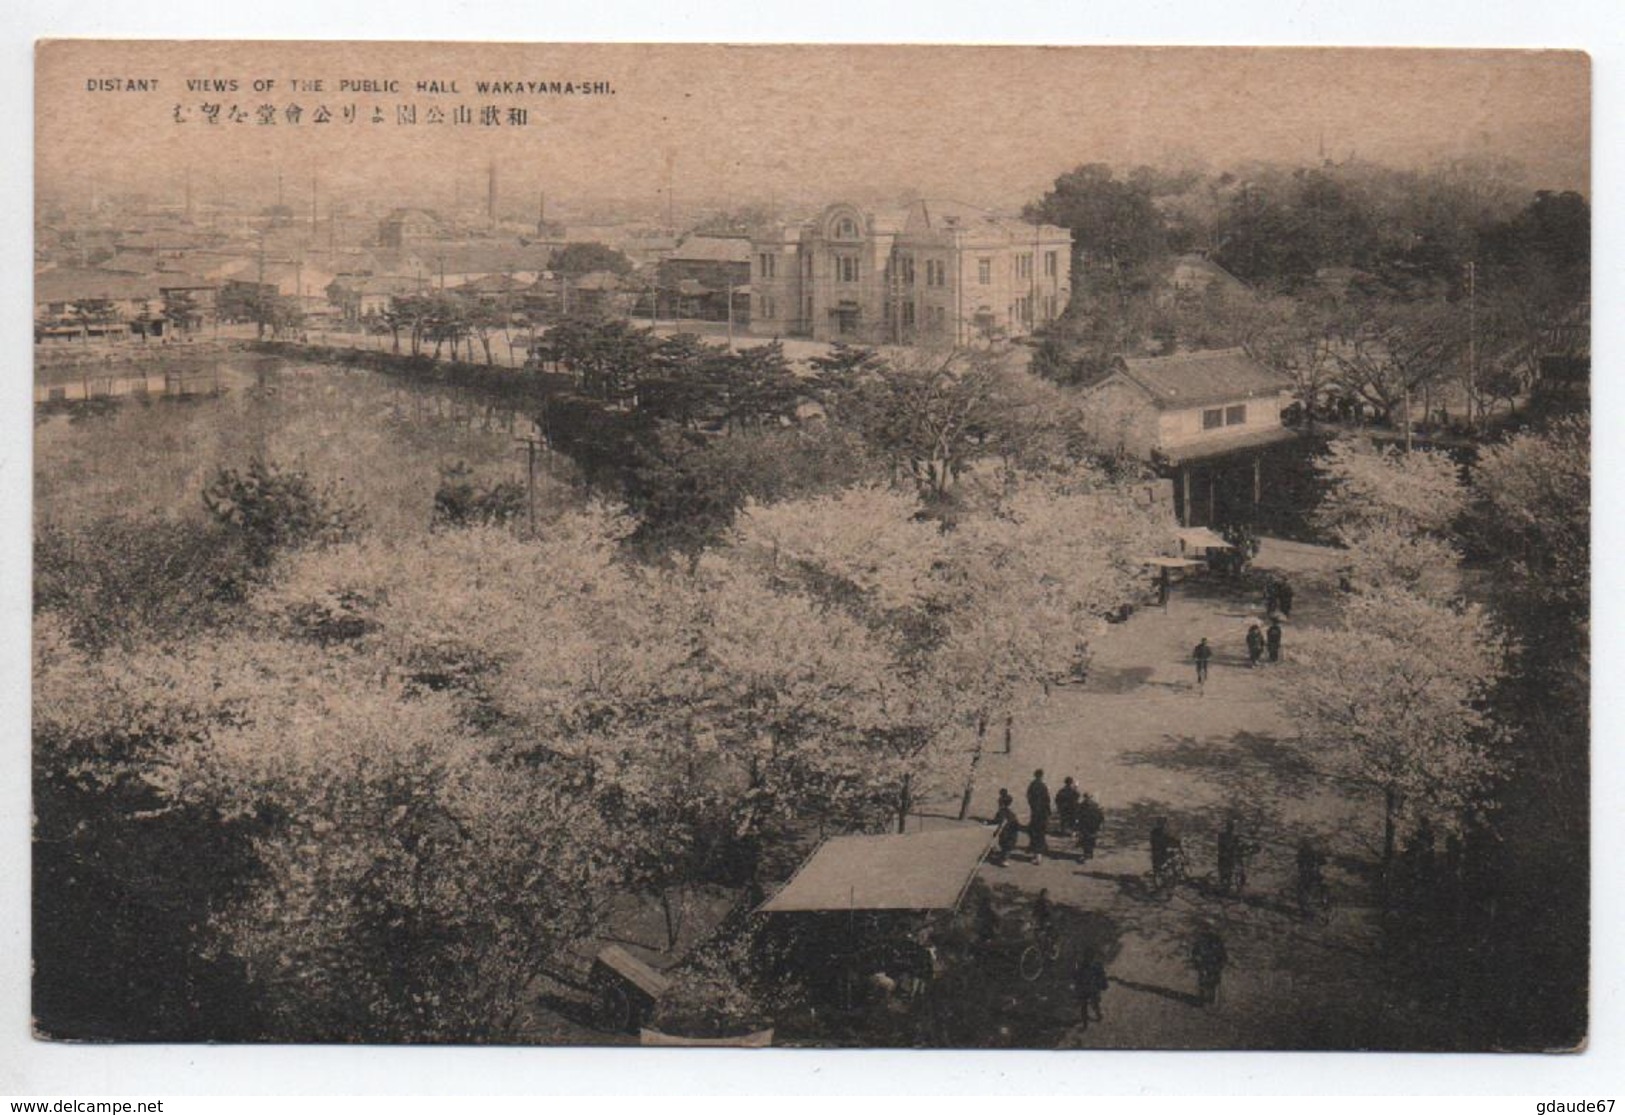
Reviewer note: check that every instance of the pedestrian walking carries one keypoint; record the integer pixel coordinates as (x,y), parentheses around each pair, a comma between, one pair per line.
(1202,655)
(1283,598)
(1228,854)
(1038,814)
(1090,819)
(987,920)
(1066,806)
(1208,957)
(1088,984)
(1272,639)
(1009,828)
(1255,646)
(1311,883)
(1162,852)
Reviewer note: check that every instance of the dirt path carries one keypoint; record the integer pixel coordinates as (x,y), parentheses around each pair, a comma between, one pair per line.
(1148,744)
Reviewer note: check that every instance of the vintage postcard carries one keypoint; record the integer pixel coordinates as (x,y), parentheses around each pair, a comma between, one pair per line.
(811,546)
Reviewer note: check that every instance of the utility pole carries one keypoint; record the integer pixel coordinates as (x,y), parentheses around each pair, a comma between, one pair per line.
(1407,416)
(531,443)
(259,292)
(1472,342)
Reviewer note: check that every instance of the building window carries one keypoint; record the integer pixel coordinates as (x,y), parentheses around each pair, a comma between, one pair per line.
(905,270)
(770,308)
(1024,265)
(769,265)
(984,271)
(908,315)
(1049,307)
(937,318)
(1052,264)
(846,269)
(1213,419)
(936,273)
(1235,416)
(846,229)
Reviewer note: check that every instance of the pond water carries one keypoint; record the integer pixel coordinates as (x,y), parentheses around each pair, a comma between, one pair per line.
(381,440)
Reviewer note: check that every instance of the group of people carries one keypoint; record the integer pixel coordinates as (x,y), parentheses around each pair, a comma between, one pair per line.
(1075,812)
(1261,640)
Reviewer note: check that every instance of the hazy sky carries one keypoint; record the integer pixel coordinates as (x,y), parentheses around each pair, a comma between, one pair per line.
(986,125)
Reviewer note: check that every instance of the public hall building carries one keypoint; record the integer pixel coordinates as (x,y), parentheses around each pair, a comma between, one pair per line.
(935,272)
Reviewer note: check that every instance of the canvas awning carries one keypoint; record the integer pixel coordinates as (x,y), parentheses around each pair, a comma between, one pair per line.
(1171,562)
(909,871)
(1200,538)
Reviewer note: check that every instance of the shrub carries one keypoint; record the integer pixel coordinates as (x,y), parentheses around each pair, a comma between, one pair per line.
(273,509)
(460,502)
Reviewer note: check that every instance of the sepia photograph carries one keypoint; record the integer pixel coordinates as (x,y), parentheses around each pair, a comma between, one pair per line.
(811,546)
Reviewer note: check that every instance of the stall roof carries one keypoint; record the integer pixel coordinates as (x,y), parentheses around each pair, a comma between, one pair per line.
(1200,538)
(910,871)
(1163,562)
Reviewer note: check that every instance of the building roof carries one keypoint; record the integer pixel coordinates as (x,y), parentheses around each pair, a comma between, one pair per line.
(159,240)
(1190,379)
(484,257)
(1220,445)
(408,213)
(713,249)
(183,280)
(493,284)
(942,215)
(599,280)
(912,871)
(72,284)
(1194,270)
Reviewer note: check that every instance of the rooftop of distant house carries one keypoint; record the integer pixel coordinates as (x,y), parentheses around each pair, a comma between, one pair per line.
(712,249)
(1189,379)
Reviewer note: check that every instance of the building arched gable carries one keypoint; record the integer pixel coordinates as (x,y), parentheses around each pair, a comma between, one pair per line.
(844,222)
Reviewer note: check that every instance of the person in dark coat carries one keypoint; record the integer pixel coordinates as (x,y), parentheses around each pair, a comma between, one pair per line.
(1255,645)
(1162,850)
(1283,598)
(1088,984)
(987,920)
(1208,957)
(1066,805)
(1009,828)
(1229,847)
(1090,820)
(1202,655)
(1271,596)
(1272,639)
(1038,814)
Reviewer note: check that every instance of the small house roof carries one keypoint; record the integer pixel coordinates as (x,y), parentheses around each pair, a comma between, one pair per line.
(1189,379)
(910,871)
(713,249)
(599,280)
(72,284)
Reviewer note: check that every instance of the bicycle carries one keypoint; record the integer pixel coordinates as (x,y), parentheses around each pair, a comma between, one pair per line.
(1043,950)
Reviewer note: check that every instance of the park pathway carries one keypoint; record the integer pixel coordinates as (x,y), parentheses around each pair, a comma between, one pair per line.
(1148,744)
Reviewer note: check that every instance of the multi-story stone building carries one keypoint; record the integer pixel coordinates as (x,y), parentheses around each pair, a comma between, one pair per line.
(938,271)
